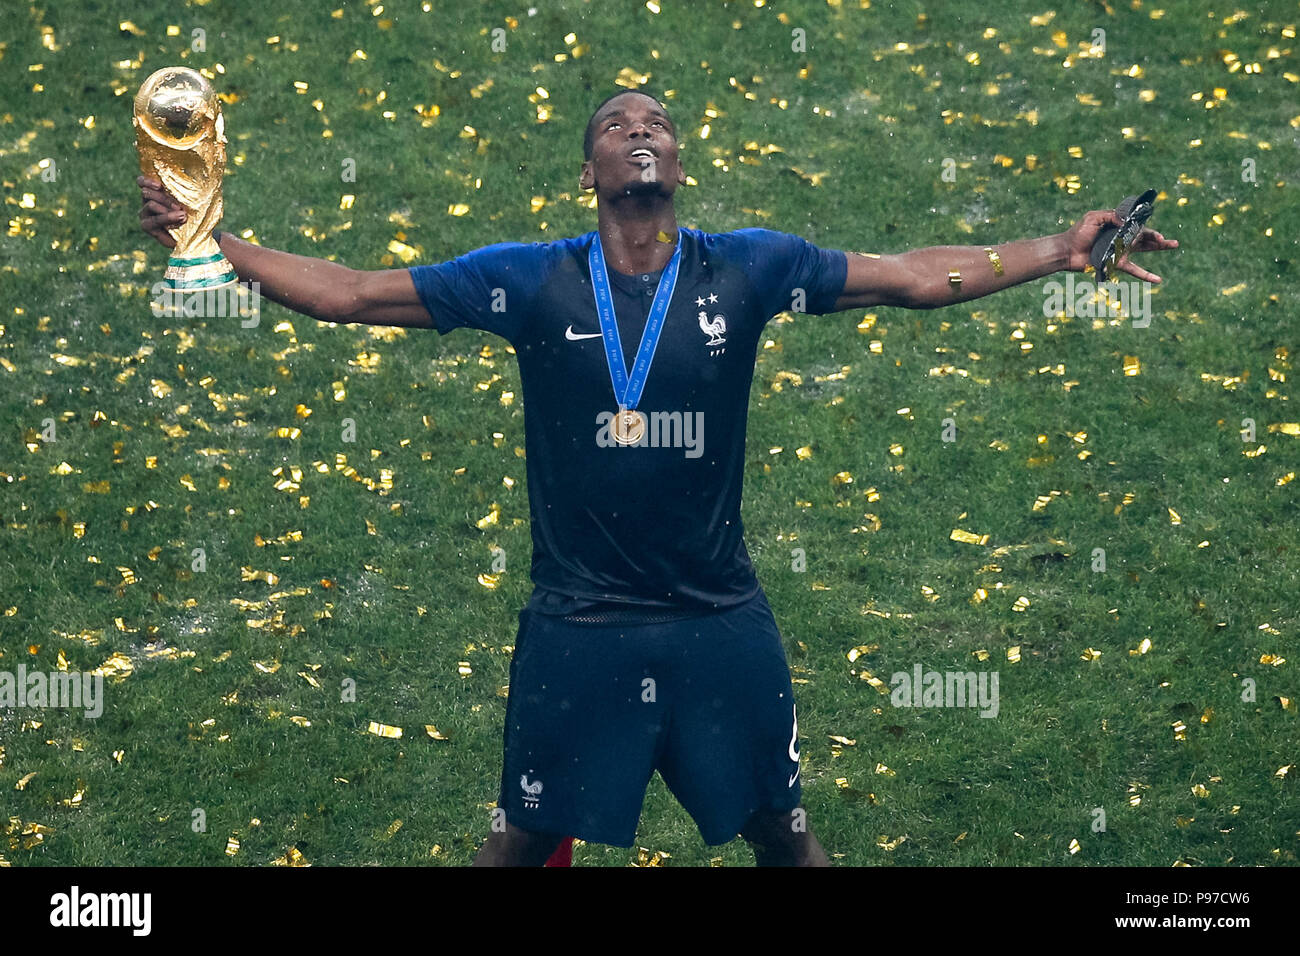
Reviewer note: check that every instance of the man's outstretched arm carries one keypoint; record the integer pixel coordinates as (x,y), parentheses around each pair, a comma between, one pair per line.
(943,275)
(316,287)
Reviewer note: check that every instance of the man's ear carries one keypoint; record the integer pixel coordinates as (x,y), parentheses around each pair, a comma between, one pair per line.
(587,178)
(681,172)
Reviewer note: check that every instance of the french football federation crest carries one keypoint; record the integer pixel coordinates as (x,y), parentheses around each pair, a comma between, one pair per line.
(531,791)
(714,328)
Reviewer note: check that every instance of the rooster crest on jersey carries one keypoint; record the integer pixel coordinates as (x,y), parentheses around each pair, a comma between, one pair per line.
(713,328)
(531,790)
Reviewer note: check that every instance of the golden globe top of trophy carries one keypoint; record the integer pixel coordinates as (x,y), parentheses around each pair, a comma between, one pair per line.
(180,136)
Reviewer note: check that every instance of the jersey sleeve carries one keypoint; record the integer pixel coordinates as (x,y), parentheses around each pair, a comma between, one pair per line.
(489,288)
(793,274)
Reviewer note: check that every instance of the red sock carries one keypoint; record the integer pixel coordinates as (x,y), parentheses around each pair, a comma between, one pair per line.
(563,855)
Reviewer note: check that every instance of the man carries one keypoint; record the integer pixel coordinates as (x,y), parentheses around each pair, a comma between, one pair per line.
(648,643)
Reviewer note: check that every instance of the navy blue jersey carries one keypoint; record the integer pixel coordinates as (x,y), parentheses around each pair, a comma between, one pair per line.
(655,525)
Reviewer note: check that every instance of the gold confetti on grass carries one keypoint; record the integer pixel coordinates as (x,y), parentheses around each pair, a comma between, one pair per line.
(968,537)
(644,856)
(384,730)
(1141,649)
(292,857)
(118,665)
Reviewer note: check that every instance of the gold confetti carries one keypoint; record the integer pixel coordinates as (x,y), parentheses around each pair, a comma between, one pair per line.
(292,857)
(383,730)
(1141,649)
(1132,365)
(118,665)
(435,733)
(968,537)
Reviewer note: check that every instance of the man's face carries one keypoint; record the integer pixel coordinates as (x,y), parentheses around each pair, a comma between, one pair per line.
(633,150)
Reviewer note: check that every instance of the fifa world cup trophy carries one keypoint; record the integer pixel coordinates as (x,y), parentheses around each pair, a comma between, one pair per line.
(180,136)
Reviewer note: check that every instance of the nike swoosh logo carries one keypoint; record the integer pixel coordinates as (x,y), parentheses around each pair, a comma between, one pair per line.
(574,336)
(794,754)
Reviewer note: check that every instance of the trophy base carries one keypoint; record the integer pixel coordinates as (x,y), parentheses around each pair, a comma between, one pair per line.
(199,287)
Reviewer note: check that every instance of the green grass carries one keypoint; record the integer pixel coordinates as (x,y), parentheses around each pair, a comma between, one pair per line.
(201,727)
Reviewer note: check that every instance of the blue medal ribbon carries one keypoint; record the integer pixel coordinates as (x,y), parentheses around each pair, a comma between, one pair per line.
(627,391)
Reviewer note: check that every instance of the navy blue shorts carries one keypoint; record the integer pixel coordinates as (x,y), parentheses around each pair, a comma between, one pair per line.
(594,710)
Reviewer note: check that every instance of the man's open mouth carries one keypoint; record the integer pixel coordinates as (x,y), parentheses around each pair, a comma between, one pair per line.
(642,153)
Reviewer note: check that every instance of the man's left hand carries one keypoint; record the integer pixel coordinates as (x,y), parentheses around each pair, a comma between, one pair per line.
(1080,237)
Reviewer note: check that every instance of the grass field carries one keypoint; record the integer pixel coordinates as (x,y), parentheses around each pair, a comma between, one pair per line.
(372,561)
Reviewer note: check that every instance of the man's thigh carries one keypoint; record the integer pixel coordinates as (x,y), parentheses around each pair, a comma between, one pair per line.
(580,740)
(732,742)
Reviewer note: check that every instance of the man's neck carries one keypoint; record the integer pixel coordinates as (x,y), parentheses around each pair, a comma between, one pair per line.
(630,228)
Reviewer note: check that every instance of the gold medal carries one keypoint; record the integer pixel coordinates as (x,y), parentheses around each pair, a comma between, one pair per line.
(628,426)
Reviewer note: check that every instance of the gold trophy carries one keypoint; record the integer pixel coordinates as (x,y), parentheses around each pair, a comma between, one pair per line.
(180,136)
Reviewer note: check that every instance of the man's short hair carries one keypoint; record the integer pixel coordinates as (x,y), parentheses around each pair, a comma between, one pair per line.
(589,137)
